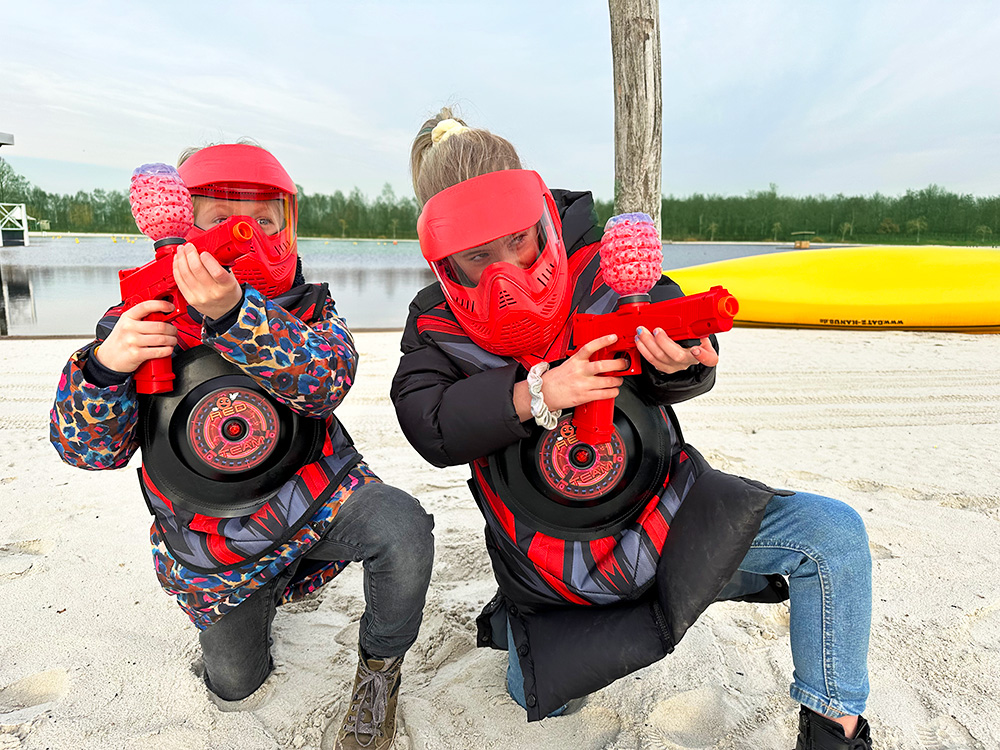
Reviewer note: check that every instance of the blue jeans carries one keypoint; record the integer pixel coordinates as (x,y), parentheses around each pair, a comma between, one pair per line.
(821,545)
(378,525)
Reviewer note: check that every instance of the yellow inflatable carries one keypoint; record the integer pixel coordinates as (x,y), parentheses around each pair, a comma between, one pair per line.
(902,288)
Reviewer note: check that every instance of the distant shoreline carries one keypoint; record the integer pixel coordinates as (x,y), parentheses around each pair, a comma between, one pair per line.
(768,243)
(50,234)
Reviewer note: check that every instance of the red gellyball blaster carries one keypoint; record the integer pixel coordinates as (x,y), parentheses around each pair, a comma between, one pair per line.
(163,211)
(631,262)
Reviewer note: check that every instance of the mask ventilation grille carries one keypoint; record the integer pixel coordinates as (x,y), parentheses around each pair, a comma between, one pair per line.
(504,299)
(270,281)
(521,336)
(545,274)
(254,278)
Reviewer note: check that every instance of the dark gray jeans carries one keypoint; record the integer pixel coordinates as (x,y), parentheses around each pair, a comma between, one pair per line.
(380,526)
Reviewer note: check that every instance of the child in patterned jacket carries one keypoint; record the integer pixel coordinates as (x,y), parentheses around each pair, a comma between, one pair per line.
(233,540)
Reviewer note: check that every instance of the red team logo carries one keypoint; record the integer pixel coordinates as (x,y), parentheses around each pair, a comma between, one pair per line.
(233,431)
(578,471)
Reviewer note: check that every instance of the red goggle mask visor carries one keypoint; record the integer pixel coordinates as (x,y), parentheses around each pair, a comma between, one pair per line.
(494,243)
(247,181)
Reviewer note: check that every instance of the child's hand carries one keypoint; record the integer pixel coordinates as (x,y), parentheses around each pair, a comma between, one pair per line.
(579,381)
(667,356)
(211,289)
(133,340)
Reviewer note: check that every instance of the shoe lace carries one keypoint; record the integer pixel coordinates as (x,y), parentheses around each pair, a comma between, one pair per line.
(373,694)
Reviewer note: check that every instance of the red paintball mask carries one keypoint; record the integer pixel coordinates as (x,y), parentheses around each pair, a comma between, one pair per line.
(246,181)
(495,244)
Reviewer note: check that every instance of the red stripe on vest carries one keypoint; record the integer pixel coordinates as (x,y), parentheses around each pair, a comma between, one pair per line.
(438,325)
(218,548)
(501,511)
(547,553)
(314,477)
(582,257)
(204,524)
(263,513)
(152,488)
(561,588)
(654,524)
(603,550)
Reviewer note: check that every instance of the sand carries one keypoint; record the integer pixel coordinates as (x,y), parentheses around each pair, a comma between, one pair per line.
(905,427)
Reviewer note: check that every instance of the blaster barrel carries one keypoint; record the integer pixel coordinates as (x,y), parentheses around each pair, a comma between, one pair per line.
(684,319)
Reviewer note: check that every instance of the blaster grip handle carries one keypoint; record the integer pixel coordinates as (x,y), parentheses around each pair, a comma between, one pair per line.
(594,421)
(155,375)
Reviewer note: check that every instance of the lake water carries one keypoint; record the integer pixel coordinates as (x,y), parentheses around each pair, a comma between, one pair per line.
(61,285)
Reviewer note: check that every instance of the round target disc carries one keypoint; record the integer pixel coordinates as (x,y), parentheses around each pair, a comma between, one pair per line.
(218,444)
(578,471)
(233,429)
(571,489)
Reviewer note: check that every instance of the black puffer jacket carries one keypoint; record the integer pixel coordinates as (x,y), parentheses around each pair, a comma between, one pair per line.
(454,402)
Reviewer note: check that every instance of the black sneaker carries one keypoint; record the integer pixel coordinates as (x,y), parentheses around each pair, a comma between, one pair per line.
(817,732)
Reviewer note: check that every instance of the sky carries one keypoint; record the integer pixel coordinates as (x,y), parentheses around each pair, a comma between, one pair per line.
(814,97)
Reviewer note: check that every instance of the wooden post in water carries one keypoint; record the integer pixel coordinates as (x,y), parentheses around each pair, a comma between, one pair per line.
(635,54)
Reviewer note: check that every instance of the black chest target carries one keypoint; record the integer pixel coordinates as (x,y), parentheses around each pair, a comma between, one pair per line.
(219,444)
(573,490)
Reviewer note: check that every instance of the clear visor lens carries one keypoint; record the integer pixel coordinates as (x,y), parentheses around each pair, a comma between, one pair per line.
(520,249)
(271,211)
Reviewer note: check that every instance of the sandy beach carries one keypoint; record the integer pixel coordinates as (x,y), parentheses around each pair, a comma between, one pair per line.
(905,427)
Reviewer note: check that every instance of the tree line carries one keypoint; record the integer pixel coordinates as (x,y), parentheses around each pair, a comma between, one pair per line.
(930,215)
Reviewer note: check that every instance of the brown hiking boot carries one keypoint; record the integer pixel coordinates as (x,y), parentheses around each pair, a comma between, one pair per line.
(371,717)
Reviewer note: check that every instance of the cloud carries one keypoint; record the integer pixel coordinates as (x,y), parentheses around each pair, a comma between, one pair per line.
(851,97)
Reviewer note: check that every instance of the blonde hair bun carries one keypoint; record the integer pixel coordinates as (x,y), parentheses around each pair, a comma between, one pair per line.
(446,129)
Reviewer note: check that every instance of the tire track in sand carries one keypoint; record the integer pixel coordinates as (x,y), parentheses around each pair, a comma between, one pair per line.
(847,399)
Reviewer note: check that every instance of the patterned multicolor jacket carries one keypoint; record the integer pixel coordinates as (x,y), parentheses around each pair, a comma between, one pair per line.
(212,564)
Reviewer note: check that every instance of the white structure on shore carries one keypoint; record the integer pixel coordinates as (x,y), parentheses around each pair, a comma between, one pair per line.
(13,217)
(14,224)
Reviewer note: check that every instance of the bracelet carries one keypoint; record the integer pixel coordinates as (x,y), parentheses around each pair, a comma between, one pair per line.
(543,417)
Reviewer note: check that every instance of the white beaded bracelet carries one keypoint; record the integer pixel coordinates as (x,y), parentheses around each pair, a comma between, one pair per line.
(543,417)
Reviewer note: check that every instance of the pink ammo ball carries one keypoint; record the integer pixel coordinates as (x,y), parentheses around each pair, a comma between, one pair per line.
(161,203)
(631,254)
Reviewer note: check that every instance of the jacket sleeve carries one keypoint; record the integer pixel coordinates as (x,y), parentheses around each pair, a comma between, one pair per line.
(447,417)
(308,367)
(680,386)
(92,426)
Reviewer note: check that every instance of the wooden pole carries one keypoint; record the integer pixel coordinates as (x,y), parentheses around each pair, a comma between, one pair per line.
(635,54)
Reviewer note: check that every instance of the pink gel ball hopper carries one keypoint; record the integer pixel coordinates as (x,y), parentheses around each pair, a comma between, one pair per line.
(161,203)
(631,254)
